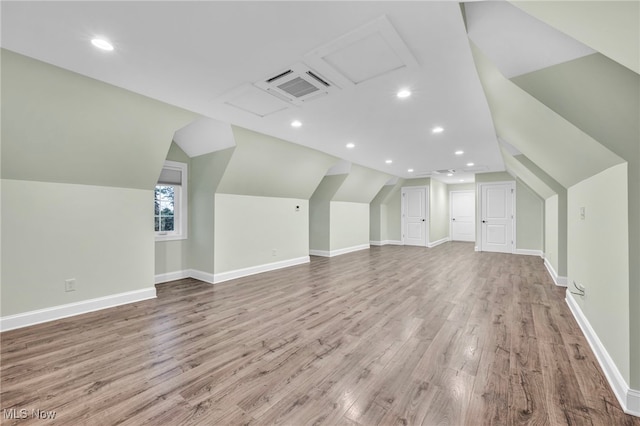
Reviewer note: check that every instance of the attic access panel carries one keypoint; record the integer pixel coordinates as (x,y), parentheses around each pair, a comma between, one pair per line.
(367,52)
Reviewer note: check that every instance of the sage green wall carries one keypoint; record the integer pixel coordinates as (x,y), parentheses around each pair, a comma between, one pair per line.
(560,260)
(176,153)
(461,187)
(610,27)
(320,212)
(270,167)
(172,256)
(598,259)
(84,155)
(438,211)
(204,176)
(378,211)
(106,253)
(529,218)
(551,233)
(600,97)
(249,228)
(349,225)
(336,206)
(58,126)
(545,137)
(378,214)
(494,177)
(416,182)
(361,185)
(394,213)
(534,182)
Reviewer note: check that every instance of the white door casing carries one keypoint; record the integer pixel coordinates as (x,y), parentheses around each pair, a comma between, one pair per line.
(463,215)
(414,216)
(497,217)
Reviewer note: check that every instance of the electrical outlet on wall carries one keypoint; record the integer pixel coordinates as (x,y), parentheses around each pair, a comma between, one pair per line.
(274,252)
(582,213)
(70,285)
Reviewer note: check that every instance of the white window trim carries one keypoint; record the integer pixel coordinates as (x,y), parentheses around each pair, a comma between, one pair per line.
(181,215)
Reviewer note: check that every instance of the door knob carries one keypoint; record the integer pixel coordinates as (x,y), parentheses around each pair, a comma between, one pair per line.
(424,220)
(484,221)
(453,218)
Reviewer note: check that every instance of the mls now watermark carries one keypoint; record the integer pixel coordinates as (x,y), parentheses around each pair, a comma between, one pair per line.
(23,414)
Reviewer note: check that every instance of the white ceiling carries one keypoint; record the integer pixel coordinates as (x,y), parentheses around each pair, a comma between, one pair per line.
(197,54)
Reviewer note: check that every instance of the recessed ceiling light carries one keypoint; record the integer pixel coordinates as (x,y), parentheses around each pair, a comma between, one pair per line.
(388,161)
(449,174)
(469,164)
(404,93)
(437,129)
(296,123)
(459,152)
(461,180)
(410,170)
(351,145)
(101,43)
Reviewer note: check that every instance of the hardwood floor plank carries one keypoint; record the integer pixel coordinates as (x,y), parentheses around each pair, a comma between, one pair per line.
(390,335)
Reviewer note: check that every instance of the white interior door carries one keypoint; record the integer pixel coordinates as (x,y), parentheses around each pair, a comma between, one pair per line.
(414,216)
(496,205)
(463,215)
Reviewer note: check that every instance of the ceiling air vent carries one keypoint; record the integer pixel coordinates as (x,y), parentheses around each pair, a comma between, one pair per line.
(297,85)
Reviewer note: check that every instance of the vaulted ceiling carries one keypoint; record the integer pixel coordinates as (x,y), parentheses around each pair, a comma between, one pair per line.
(215,58)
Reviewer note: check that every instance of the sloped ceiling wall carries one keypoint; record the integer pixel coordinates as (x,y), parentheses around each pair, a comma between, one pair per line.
(58,126)
(561,149)
(382,197)
(265,166)
(590,23)
(597,95)
(516,168)
(361,185)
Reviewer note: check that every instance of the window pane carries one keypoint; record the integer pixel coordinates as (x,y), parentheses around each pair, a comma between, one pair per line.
(166,224)
(164,208)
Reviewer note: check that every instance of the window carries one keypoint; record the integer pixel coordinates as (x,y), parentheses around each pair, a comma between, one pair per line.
(170,213)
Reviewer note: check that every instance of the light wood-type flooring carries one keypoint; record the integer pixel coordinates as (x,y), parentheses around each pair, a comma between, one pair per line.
(388,336)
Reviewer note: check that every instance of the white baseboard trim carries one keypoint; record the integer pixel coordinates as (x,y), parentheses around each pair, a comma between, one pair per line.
(239,273)
(386,242)
(207,277)
(628,398)
(633,402)
(527,252)
(26,319)
(558,280)
(338,252)
(438,242)
(171,276)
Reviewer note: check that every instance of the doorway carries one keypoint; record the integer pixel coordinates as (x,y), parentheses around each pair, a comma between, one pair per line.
(497,217)
(415,205)
(463,215)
